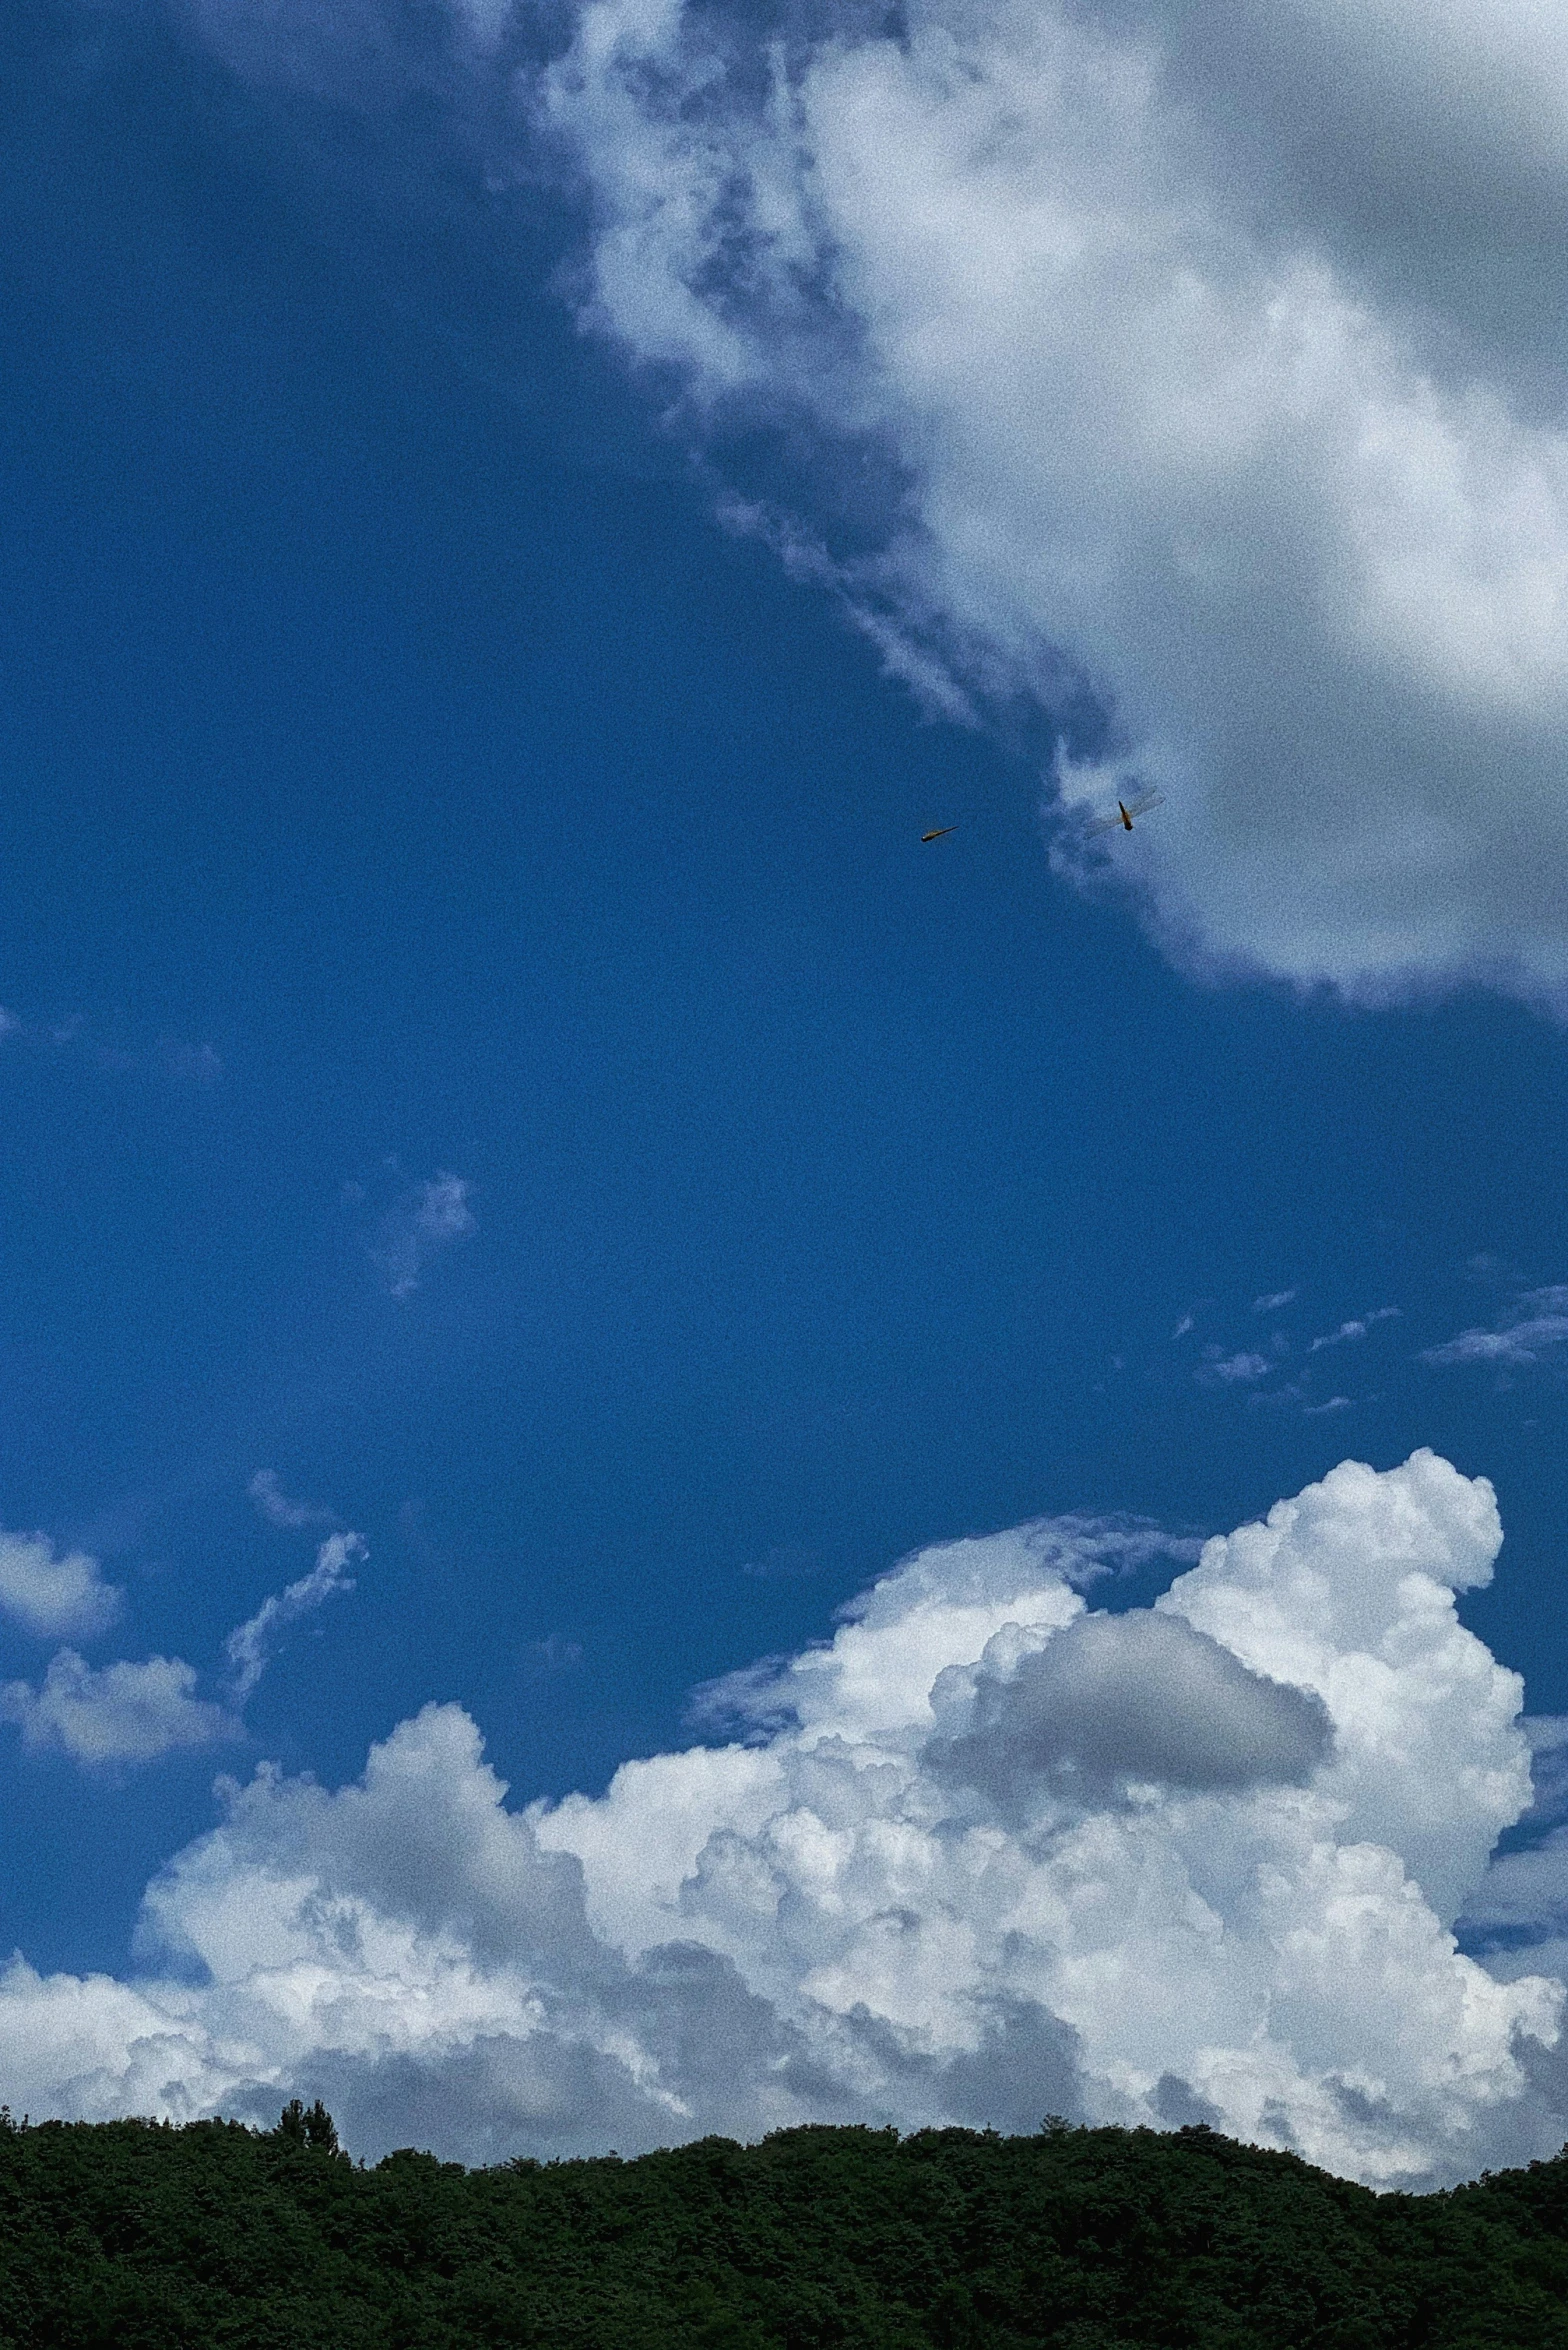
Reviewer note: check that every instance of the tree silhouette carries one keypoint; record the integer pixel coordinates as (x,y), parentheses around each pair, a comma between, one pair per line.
(309,2127)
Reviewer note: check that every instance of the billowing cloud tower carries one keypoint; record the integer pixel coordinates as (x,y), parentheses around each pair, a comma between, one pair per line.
(991,1853)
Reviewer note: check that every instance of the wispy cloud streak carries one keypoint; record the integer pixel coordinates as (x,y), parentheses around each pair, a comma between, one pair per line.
(252,1645)
(1536,1334)
(426,1220)
(1349,1332)
(276,1507)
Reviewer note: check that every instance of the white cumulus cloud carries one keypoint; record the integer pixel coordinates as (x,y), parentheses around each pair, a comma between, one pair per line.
(117,1713)
(987,1854)
(1202,368)
(1210,360)
(54,1597)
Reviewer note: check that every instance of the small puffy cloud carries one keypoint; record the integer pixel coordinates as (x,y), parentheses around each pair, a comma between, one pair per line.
(1138,1697)
(425,1220)
(54,1597)
(276,1507)
(121,1713)
(130,1712)
(1252,1817)
(1349,1331)
(1237,1370)
(1332,1403)
(251,1645)
(1271,1303)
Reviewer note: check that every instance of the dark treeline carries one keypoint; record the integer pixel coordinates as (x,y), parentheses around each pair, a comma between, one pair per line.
(144,2237)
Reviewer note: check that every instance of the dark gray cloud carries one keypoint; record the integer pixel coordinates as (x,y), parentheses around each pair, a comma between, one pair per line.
(1178,2104)
(1140,1696)
(1024,2066)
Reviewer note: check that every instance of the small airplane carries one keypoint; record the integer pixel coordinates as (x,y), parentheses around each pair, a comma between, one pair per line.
(940,833)
(1126,810)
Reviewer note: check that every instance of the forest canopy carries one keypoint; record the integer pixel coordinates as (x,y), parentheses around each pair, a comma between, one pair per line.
(145,2235)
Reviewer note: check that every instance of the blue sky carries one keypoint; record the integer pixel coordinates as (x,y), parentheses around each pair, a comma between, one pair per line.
(487,1046)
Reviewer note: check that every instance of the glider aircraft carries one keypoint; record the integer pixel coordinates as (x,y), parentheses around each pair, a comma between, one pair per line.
(1126,810)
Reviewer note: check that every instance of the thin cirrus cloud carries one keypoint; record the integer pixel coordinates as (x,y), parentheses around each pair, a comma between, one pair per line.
(171,1057)
(1537,1333)
(423,1222)
(275,1506)
(987,1853)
